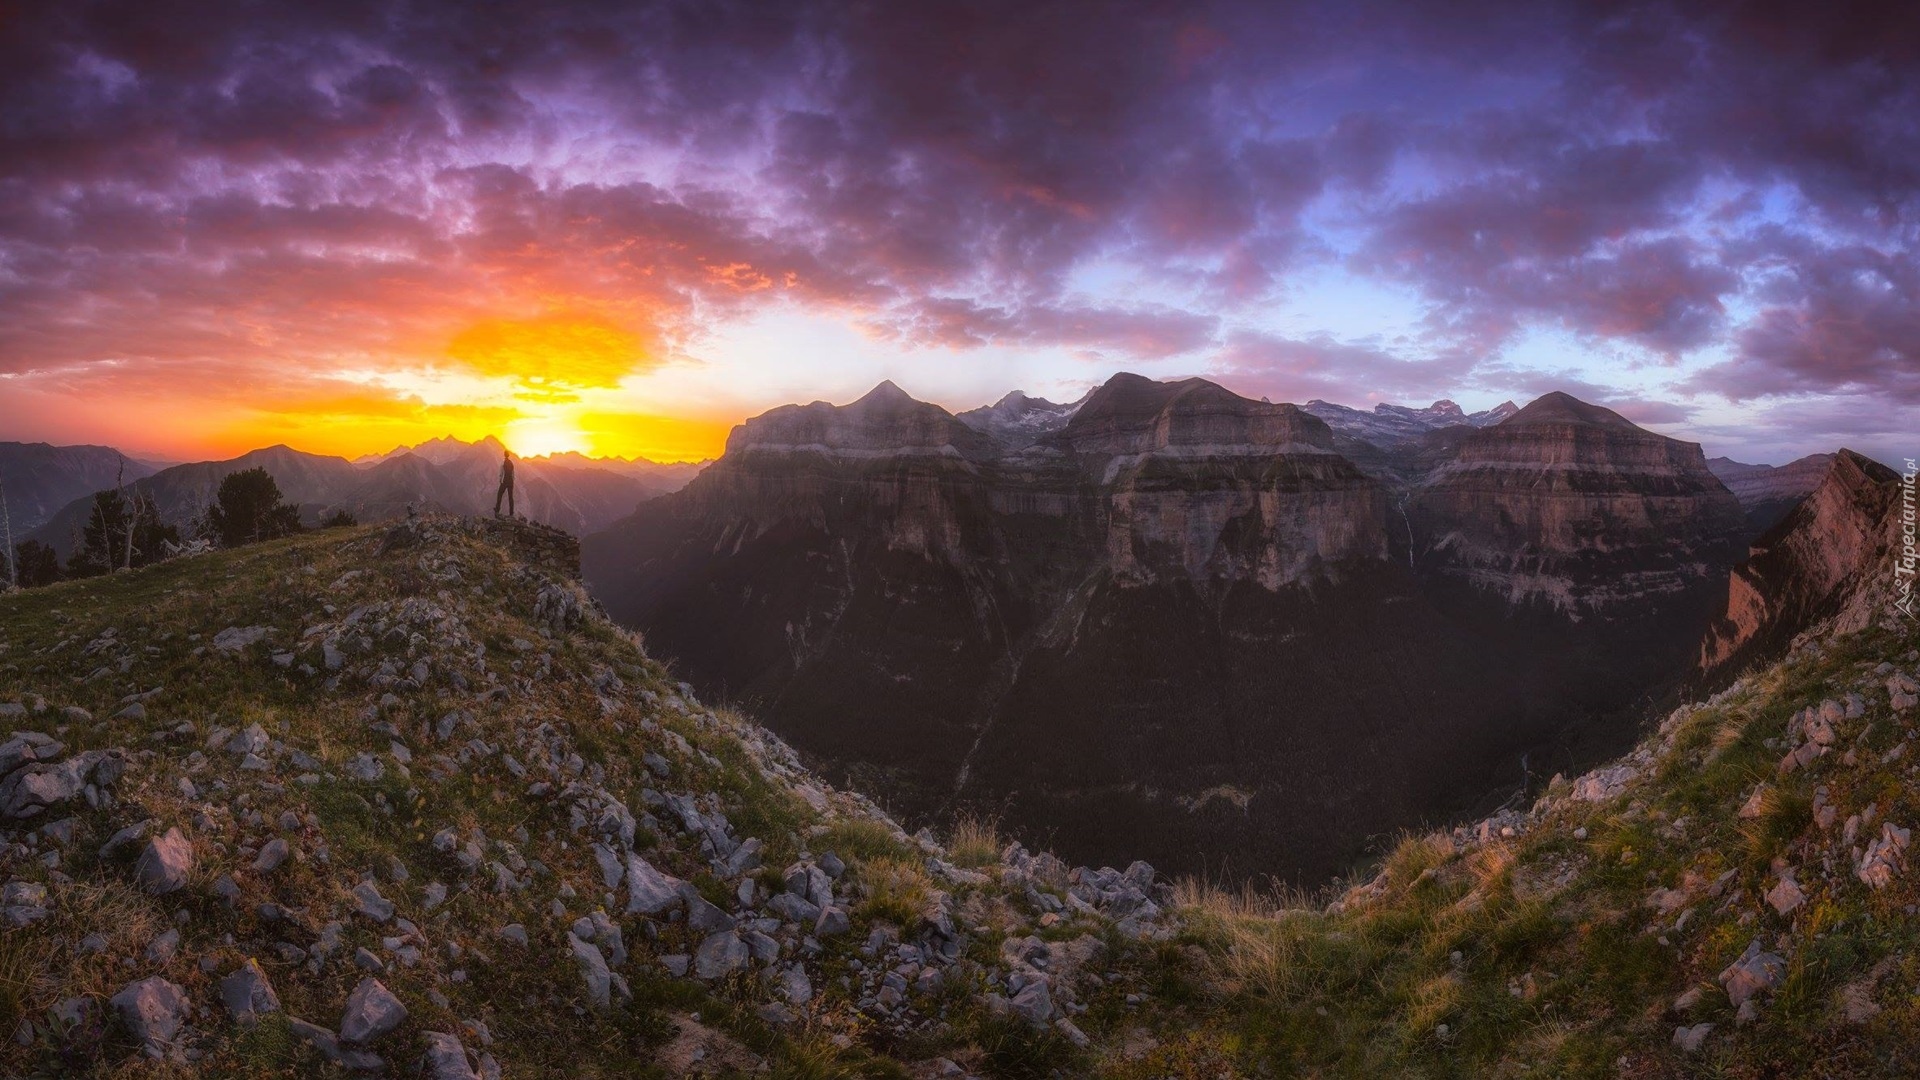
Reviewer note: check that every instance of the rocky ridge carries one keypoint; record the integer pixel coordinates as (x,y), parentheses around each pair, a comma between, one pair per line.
(403,797)
(1767,492)
(1810,562)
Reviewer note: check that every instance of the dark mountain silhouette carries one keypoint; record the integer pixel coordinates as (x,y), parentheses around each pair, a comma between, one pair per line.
(446,474)
(40,479)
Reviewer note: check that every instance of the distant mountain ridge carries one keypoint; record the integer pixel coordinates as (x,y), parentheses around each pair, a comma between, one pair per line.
(1096,618)
(1401,423)
(1769,493)
(443,474)
(39,478)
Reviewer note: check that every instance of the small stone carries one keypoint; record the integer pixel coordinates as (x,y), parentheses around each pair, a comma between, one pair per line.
(247,994)
(368,901)
(515,933)
(1786,895)
(720,955)
(372,1011)
(155,1010)
(446,1059)
(272,854)
(832,921)
(1689,1039)
(327,1044)
(593,968)
(1755,972)
(164,947)
(164,863)
(650,892)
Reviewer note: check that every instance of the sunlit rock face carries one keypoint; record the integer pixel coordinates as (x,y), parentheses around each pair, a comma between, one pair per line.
(1768,493)
(1797,571)
(1572,506)
(1170,621)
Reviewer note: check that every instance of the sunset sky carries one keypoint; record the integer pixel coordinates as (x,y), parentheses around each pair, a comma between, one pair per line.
(621,228)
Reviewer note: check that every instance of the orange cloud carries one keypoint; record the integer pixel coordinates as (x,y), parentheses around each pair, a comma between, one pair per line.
(552,357)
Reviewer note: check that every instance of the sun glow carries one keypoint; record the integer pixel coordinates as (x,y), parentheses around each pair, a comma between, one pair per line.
(538,435)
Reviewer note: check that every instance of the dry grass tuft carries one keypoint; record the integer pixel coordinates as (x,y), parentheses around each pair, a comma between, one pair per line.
(976,841)
(897,890)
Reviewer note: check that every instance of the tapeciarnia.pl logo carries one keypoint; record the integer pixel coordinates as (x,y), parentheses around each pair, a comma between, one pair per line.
(1903,566)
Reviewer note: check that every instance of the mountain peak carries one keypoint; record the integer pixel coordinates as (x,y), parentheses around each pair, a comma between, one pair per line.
(1560,407)
(887,393)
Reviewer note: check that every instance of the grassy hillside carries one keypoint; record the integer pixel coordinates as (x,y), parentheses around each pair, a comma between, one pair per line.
(1592,935)
(418,756)
(441,719)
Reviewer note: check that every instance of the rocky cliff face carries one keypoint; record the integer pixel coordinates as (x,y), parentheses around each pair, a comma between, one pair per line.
(1800,569)
(1766,492)
(1572,506)
(1180,616)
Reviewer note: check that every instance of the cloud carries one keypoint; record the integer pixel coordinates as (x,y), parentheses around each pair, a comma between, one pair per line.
(219,188)
(1143,331)
(554,356)
(1298,370)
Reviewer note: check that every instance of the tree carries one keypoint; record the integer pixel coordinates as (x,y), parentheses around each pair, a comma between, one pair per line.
(120,533)
(36,563)
(340,519)
(248,509)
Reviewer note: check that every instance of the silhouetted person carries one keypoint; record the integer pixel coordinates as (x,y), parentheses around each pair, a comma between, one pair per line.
(506,486)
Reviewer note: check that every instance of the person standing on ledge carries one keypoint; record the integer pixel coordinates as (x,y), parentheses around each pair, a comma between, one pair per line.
(506,486)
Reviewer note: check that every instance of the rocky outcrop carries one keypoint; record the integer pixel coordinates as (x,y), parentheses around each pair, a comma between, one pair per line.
(1767,492)
(1571,506)
(1802,568)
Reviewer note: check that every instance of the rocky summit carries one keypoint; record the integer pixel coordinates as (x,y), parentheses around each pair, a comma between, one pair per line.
(1171,622)
(401,800)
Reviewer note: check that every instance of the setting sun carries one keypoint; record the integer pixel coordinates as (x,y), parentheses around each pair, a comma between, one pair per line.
(539,435)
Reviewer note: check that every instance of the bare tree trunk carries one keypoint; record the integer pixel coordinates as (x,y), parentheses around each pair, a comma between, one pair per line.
(6,521)
(133,509)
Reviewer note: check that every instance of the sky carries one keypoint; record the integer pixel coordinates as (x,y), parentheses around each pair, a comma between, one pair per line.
(621,228)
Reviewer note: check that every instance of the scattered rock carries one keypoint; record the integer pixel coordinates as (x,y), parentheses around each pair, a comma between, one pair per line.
(165,863)
(372,1011)
(1785,895)
(446,1059)
(329,1047)
(593,968)
(1689,1039)
(247,994)
(720,955)
(650,892)
(236,638)
(155,1010)
(272,854)
(1755,972)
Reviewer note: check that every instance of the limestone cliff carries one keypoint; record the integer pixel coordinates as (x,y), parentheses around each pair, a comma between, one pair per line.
(1572,505)
(1797,570)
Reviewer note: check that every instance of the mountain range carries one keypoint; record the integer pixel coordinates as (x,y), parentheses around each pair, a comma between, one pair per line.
(39,479)
(1210,631)
(572,492)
